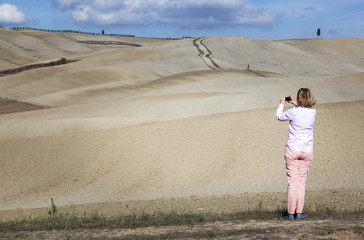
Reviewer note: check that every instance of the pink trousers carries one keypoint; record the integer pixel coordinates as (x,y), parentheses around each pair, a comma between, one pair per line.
(297,166)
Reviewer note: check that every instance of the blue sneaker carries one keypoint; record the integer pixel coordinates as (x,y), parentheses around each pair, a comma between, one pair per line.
(289,217)
(300,216)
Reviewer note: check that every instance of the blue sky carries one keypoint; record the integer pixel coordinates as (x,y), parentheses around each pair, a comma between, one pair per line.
(259,19)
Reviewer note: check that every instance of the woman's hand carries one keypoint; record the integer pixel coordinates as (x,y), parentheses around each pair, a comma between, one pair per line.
(293,101)
(283,100)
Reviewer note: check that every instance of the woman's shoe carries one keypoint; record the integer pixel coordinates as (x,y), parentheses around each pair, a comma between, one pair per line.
(289,217)
(300,216)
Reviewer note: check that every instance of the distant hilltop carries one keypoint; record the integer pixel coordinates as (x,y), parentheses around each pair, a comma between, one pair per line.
(69,31)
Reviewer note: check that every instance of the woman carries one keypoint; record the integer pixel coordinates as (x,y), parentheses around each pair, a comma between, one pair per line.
(298,152)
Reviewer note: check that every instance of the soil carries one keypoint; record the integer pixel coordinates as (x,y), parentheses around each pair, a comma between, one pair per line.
(11,106)
(150,123)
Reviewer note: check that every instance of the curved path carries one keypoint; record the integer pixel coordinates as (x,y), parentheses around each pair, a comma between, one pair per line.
(205,53)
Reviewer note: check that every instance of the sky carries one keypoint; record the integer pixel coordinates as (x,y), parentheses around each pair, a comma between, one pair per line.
(257,19)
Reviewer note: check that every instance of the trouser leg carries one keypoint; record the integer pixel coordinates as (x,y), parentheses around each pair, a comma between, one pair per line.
(292,163)
(303,167)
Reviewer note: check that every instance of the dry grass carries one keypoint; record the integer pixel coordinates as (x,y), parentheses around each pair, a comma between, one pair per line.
(71,221)
(248,225)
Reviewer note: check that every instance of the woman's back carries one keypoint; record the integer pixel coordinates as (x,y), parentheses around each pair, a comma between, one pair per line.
(301,122)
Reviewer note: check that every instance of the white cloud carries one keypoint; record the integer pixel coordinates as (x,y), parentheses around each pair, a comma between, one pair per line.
(182,13)
(66,4)
(82,13)
(9,14)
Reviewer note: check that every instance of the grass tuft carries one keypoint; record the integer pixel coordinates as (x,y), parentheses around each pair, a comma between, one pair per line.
(358,229)
(326,231)
(52,213)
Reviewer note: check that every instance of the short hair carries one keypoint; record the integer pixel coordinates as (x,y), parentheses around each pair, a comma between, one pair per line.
(305,98)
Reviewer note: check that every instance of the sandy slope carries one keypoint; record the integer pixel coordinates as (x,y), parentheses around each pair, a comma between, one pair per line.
(203,156)
(157,122)
(25,47)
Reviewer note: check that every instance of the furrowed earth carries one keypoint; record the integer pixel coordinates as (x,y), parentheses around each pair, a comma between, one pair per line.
(138,125)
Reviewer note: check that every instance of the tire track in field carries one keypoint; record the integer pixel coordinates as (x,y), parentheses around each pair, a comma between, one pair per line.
(205,53)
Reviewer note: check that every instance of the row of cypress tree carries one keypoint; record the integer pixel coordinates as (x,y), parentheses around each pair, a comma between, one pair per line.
(68,31)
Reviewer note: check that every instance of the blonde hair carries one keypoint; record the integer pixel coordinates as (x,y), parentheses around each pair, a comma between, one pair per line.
(305,98)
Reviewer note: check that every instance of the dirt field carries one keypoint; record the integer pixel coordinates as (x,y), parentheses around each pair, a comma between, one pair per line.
(175,125)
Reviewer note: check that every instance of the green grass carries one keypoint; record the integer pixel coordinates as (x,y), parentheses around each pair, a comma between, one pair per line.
(358,229)
(326,231)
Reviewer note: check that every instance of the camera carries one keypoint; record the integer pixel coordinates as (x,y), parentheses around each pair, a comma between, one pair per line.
(288,99)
